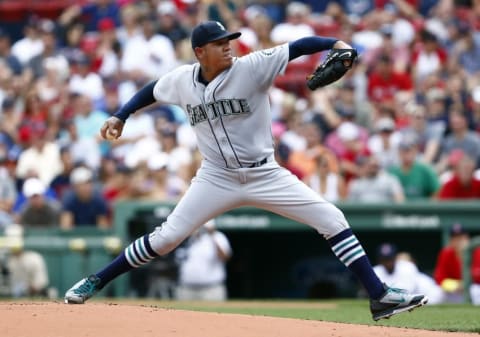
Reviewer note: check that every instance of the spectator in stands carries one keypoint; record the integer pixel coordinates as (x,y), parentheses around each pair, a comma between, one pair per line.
(28,274)
(418,179)
(38,210)
(41,158)
(83,81)
(436,101)
(399,53)
(398,269)
(429,58)
(325,180)
(128,31)
(202,273)
(458,89)
(463,184)
(296,25)
(179,157)
(92,12)
(374,184)
(448,269)
(8,192)
(10,119)
(35,68)
(349,135)
(140,133)
(429,133)
(306,159)
(51,91)
(107,54)
(169,23)
(61,183)
(84,206)
(222,11)
(115,180)
(262,26)
(384,81)
(460,137)
(383,143)
(466,50)
(30,45)
(164,185)
(6,53)
(157,50)
(337,118)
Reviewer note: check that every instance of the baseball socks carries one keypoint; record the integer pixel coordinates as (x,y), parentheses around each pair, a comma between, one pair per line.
(348,249)
(135,255)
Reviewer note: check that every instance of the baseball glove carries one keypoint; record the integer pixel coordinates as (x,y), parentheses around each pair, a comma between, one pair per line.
(337,63)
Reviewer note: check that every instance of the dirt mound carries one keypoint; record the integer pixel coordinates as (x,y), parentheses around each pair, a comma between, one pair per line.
(54,319)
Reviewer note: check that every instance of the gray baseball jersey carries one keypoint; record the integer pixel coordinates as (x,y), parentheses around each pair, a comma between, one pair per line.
(232,120)
(231,116)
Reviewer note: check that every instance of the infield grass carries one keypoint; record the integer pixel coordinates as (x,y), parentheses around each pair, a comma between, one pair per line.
(462,318)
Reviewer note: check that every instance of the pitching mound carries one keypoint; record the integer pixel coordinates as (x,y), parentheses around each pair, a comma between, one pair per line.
(93,319)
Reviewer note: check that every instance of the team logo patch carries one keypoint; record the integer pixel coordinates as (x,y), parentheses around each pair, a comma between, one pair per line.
(220,25)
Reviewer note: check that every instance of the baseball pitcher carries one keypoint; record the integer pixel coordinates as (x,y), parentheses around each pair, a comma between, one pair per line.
(227,104)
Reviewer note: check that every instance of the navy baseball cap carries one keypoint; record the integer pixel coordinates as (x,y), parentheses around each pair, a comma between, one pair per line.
(210,31)
(386,251)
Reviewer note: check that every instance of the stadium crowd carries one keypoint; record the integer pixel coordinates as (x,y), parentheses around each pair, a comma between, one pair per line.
(402,125)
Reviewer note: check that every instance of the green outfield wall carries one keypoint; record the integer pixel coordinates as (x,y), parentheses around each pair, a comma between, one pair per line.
(273,256)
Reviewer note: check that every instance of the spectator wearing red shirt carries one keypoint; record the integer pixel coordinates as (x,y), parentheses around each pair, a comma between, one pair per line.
(463,184)
(384,82)
(448,270)
(355,150)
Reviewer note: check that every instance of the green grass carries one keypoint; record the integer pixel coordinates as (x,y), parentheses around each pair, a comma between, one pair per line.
(462,318)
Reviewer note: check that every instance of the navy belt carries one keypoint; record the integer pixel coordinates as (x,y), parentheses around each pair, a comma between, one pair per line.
(259,163)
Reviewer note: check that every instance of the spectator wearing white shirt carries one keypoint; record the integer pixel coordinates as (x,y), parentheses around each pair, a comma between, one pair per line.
(41,159)
(148,55)
(202,272)
(375,184)
(296,25)
(30,45)
(399,271)
(84,81)
(384,142)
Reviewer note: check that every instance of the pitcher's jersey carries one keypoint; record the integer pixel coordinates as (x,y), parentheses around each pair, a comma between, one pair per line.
(231,115)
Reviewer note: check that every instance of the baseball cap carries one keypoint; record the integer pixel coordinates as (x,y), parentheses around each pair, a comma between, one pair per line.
(47,26)
(385,124)
(348,131)
(166,8)
(386,251)
(105,24)
(457,229)
(81,175)
(33,186)
(210,31)
(408,140)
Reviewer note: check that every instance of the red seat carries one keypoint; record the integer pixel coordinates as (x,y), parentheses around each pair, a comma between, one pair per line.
(50,9)
(13,11)
(331,29)
(294,83)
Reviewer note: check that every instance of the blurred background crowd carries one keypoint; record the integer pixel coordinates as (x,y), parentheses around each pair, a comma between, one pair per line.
(402,125)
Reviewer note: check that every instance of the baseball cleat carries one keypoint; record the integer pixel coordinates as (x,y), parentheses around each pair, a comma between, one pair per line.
(82,290)
(395,301)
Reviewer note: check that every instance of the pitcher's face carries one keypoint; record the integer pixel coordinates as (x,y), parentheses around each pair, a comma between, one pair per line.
(216,55)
